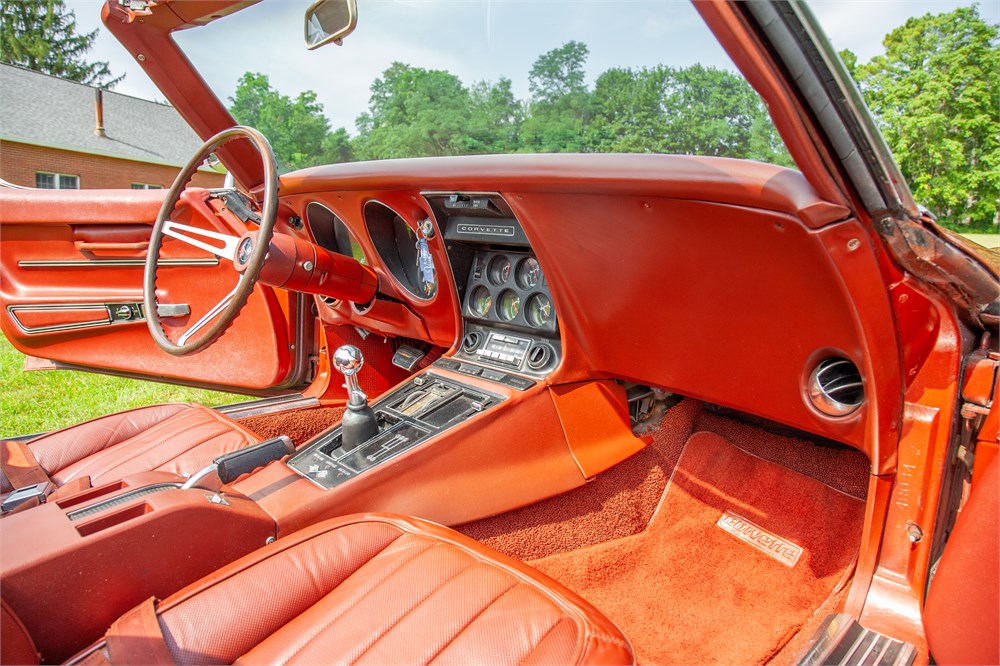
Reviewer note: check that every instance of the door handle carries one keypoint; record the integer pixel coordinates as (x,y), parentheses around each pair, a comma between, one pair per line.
(94,246)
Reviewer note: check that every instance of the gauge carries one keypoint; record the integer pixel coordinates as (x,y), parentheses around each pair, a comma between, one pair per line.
(481,301)
(509,305)
(499,270)
(538,310)
(529,273)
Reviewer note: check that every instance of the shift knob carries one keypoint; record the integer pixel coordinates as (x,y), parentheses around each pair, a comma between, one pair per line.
(348,360)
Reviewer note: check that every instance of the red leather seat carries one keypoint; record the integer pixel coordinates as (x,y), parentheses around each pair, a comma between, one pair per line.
(376,589)
(178,437)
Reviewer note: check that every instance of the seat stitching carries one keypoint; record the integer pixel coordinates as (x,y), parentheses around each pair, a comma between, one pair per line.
(142,452)
(472,619)
(417,605)
(364,596)
(541,638)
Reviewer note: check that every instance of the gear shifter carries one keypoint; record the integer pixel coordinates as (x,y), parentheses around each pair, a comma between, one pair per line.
(359,423)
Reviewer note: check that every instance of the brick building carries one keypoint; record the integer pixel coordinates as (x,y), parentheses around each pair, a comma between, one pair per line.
(61,134)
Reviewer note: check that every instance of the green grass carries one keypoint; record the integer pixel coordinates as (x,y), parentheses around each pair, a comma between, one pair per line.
(39,401)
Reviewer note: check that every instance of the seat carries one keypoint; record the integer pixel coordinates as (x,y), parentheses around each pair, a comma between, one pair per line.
(368,589)
(181,438)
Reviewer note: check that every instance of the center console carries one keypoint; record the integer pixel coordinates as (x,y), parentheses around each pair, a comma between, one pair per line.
(417,411)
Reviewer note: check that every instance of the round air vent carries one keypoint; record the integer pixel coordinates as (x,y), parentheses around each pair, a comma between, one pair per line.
(539,356)
(835,387)
(471,341)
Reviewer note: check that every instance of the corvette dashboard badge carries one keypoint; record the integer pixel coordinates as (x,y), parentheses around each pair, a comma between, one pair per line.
(754,535)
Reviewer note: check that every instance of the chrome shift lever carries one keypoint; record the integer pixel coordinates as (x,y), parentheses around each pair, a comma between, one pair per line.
(359,423)
(348,361)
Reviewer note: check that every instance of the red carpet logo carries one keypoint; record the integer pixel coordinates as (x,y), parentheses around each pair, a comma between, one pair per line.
(785,552)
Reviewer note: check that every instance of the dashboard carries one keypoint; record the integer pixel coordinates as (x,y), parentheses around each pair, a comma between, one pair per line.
(669,271)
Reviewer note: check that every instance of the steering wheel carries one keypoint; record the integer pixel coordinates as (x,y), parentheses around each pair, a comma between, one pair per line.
(246,252)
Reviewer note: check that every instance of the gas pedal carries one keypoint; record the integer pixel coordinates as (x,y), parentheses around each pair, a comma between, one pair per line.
(841,641)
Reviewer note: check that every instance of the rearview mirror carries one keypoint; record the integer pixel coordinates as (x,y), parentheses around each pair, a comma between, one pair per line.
(330,21)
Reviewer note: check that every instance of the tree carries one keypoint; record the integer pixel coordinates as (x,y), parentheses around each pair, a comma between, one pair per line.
(297,129)
(41,35)
(415,112)
(560,101)
(936,94)
(495,117)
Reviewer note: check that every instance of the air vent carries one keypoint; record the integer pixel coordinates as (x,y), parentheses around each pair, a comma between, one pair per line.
(835,387)
(539,356)
(471,341)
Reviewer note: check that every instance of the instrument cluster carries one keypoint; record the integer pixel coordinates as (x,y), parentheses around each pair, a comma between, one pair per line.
(509,288)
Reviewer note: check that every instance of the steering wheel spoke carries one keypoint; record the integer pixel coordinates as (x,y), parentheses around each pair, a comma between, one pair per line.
(214,322)
(211,314)
(187,234)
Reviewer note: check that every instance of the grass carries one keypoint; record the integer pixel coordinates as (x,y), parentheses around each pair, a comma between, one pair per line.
(33,402)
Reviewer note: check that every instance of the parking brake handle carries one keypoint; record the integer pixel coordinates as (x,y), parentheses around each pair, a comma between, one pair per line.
(231,466)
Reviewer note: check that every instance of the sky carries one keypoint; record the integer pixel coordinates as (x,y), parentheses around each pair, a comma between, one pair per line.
(474,39)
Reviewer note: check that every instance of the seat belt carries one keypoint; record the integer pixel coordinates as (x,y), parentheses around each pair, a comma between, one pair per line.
(137,638)
(30,482)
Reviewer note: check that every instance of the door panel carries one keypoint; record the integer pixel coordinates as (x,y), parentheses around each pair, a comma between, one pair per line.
(71,267)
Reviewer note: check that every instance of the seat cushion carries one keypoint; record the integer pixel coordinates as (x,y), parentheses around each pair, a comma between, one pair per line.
(380,589)
(181,438)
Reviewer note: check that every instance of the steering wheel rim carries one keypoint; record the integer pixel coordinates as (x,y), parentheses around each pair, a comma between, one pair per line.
(218,319)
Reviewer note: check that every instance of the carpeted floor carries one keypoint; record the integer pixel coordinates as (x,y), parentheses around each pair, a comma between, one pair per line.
(687,592)
(300,424)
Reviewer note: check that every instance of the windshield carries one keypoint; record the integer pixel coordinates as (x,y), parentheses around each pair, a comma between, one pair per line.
(420,79)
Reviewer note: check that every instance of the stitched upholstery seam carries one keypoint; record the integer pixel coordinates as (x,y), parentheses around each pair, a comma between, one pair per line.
(472,619)
(417,605)
(364,596)
(142,452)
(542,638)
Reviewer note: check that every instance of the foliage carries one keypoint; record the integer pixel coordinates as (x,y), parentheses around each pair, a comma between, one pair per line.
(41,35)
(297,129)
(936,93)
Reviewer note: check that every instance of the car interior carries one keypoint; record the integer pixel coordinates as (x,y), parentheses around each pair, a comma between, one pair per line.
(527,408)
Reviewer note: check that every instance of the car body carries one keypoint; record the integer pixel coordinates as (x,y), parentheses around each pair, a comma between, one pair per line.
(731,283)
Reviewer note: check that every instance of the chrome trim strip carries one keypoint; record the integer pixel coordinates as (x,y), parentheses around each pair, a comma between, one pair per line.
(12,310)
(111,263)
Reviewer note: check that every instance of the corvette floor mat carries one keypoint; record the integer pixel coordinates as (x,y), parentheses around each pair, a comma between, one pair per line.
(738,554)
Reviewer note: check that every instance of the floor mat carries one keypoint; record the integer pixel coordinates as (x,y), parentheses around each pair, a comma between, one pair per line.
(689,592)
(300,424)
(620,501)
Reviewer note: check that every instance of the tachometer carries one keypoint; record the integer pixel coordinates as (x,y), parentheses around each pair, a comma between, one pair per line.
(538,310)
(509,305)
(481,301)
(499,270)
(529,273)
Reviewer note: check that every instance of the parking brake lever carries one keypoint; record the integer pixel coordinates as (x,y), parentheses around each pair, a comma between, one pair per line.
(231,466)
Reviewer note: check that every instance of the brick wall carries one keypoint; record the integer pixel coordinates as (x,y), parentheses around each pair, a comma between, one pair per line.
(20,161)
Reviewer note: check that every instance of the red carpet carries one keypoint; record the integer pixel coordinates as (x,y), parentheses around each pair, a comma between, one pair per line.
(687,592)
(299,425)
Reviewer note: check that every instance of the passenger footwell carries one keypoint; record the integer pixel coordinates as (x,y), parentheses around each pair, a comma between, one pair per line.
(737,556)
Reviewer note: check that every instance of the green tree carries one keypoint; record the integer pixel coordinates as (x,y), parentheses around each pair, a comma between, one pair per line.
(560,102)
(414,111)
(41,35)
(936,93)
(496,117)
(297,129)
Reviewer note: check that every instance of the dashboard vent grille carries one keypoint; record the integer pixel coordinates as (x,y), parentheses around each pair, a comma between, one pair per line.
(836,387)
(471,341)
(539,356)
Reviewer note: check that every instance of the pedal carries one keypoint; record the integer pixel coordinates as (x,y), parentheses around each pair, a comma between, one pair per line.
(842,641)
(407,357)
